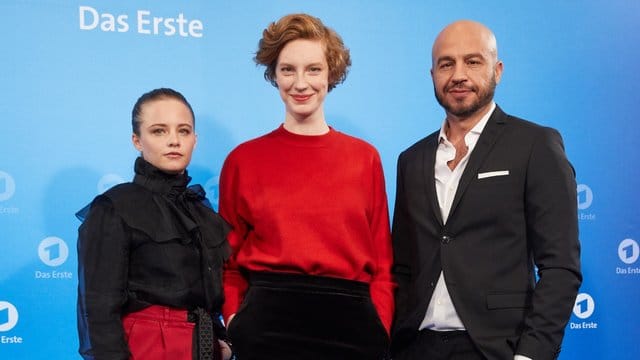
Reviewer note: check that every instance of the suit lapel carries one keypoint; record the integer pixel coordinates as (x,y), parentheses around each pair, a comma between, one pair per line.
(429,161)
(490,134)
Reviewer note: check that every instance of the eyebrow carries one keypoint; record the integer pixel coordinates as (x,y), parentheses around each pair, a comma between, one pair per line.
(465,57)
(288,64)
(166,125)
(444,58)
(474,55)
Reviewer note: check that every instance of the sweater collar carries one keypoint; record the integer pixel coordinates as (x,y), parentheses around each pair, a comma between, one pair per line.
(304,140)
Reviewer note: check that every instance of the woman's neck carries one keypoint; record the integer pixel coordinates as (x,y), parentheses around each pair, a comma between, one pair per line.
(313,124)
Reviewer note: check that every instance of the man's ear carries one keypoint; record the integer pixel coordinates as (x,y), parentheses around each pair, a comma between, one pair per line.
(497,71)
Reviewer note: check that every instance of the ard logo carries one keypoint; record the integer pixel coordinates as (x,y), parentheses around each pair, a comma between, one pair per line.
(628,251)
(7,186)
(585,197)
(584,306)
(53,251)
(8,316)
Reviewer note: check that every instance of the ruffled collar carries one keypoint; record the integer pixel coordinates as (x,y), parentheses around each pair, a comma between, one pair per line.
(158,181)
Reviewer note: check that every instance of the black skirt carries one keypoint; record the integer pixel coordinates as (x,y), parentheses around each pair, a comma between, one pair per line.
(291,316)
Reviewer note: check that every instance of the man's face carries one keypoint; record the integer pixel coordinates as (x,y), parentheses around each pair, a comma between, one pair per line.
(465,70)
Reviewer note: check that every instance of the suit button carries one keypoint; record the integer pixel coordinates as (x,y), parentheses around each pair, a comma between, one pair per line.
(445,239)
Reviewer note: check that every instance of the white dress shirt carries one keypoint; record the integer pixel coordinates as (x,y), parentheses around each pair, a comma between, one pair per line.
(441,315)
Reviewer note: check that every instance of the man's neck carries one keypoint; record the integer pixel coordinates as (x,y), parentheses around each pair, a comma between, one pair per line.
(457,127)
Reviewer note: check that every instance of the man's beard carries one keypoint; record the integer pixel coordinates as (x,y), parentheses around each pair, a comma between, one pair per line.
(462,111)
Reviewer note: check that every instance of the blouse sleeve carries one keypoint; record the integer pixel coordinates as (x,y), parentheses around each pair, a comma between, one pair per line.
(234,283)
(102,269)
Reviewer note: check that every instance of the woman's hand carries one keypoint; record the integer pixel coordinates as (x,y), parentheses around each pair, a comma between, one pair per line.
(225,349)
(230,318)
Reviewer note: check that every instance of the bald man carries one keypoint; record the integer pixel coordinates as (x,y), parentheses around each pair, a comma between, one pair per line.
(485,227)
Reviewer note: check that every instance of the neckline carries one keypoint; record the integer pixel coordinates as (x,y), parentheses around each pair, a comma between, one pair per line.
(157,180)
(291,138)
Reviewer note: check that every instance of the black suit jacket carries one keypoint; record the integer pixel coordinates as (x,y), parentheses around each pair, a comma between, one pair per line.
(515,209)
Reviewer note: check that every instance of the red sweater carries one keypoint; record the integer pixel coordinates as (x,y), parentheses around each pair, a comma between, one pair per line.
(312,205)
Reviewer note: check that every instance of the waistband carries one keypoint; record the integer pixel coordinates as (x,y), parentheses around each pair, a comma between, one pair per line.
(308,283)
(443,334)
(159,312)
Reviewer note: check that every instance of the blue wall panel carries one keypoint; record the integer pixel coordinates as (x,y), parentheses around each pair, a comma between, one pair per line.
(69,82)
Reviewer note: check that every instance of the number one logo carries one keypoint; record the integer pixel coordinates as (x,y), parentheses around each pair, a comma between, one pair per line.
(8,316)
(53,251)
(628,251)
(584,306)
(585,196)
(7,186)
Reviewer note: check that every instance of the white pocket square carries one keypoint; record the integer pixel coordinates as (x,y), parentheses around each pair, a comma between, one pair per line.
(489,174)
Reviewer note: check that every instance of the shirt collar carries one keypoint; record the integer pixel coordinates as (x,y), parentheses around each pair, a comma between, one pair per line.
(477,129)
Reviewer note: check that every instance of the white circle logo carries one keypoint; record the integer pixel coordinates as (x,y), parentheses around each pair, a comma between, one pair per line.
(8,316)
(53,251)
(585,196)
(7,186)
(584,306)
(108,181)
(628,251)
(213,191)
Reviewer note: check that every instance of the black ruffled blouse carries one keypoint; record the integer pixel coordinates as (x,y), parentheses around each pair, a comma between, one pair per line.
(153,241)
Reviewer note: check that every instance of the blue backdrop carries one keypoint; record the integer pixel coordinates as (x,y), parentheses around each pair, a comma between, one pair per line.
(71,70)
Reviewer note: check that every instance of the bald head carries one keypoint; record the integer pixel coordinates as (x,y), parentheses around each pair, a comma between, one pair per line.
(465,36)
(465,70)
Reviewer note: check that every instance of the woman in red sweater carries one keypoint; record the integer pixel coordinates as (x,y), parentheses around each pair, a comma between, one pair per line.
(309,277)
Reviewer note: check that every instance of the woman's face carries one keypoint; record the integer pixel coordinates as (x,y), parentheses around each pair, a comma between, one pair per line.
(302,75)
(167,136)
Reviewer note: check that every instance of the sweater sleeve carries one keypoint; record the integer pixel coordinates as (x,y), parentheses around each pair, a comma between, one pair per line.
(234,283)
(382,285)
(102,268)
